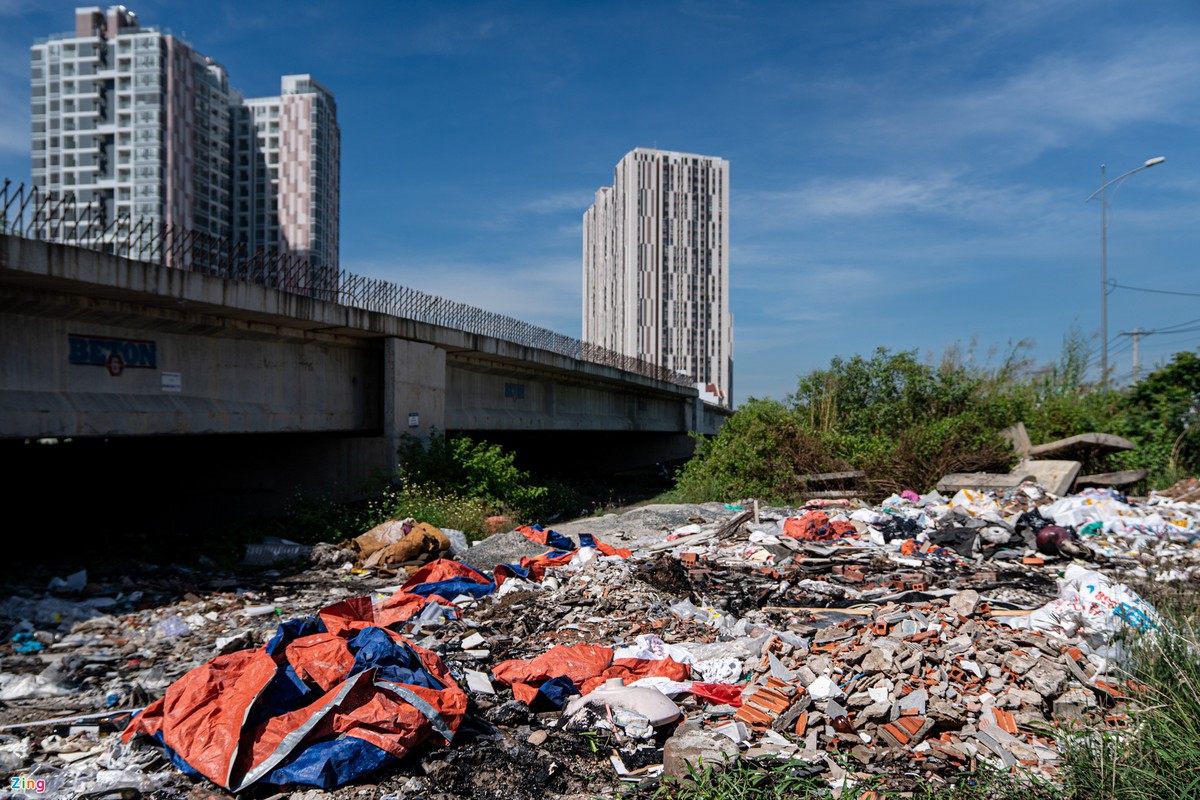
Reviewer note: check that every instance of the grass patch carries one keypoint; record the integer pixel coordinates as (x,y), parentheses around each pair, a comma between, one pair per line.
(1158,757)
(745,780)
(428,503)
(782,780)
(312,519)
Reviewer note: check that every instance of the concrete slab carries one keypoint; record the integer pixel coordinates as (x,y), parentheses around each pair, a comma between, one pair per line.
(982,481)
(1055,477)
(1122,478)
(1083,443)
(1019,438)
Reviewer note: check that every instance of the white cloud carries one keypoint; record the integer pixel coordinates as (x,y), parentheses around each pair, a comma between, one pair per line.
(935,194)
(515,213)
(1154,78)
(956,96)
(574,200)
(848,197)
(982,25)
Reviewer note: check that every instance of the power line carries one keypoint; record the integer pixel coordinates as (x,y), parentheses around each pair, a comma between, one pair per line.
(1123,342)
(1177,326)
(1162,346)
(1115,285)
(1094,359)
(1128,345)
(1168,341)
(1171,336)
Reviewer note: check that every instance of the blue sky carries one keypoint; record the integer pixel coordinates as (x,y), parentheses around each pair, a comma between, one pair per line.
(904,174)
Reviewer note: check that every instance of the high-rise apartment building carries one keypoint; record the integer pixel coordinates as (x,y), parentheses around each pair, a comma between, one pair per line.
(287,151)
(142,129)
(656,266)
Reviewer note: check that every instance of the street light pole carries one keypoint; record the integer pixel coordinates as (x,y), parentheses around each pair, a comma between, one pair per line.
(1103,192)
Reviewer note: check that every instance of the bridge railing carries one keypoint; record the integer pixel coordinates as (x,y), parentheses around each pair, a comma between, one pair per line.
(50,216)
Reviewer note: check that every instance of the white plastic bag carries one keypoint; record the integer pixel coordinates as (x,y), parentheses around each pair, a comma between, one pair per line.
(1092,605)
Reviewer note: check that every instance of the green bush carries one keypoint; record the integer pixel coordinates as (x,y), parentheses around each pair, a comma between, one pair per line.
(902,422)
(916,457)
(478,471)
(760,452)
(1162,415)
(310,519)
(450,483)
(884,395)
(907,423)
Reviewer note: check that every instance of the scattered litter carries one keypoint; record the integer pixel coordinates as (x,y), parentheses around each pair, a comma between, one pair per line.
(273,550)
(76,582)
(915,637)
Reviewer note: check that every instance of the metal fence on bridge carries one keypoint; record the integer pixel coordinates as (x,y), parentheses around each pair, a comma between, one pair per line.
(48,216)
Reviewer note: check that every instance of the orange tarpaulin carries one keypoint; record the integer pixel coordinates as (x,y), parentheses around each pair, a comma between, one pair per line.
(815,526)
(324,702)
(588,666)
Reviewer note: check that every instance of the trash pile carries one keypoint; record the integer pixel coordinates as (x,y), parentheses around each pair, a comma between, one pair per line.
(912,639)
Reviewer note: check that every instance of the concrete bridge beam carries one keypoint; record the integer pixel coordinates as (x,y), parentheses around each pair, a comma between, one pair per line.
(137,360)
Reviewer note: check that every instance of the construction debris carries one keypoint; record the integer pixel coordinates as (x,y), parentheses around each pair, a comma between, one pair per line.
(1038,464)
(910,639)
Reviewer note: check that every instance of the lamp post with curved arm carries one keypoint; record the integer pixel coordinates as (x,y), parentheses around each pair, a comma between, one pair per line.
(1103,193)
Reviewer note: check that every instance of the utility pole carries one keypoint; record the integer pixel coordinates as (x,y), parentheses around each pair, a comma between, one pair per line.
(1103,280)
(1137,335)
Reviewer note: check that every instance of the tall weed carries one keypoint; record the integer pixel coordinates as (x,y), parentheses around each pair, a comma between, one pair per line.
(1158,756)
(906,423)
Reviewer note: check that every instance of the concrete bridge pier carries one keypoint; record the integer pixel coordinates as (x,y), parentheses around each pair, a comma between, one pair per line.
(414,391)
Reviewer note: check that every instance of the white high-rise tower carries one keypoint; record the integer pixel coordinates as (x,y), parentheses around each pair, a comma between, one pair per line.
(656,266)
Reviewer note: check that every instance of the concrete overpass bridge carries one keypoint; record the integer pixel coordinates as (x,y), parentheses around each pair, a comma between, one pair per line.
(245,380)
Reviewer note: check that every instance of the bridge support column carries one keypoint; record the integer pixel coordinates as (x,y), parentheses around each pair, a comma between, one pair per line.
(414,391)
